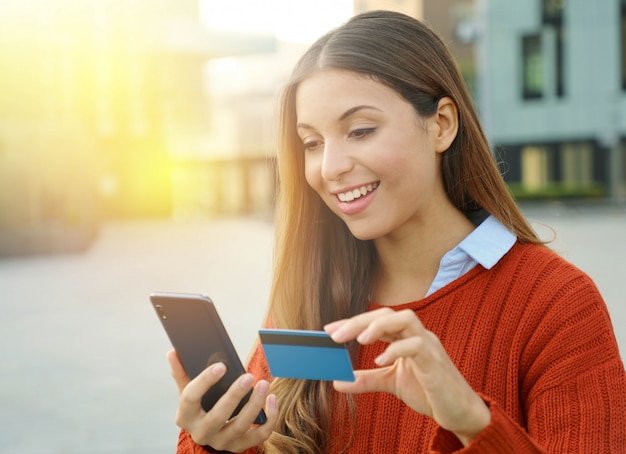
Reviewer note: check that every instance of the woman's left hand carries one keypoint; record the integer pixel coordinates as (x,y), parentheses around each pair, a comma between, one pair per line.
(414,367)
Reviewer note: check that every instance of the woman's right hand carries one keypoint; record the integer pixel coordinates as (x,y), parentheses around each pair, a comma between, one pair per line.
(213,428)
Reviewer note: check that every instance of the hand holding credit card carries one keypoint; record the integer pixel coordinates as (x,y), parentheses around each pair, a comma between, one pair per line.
(310,355)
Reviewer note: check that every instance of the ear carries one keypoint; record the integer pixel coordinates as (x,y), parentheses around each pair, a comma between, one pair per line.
(447,124)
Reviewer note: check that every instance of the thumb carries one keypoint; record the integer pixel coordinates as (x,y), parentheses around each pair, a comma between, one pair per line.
(366,381)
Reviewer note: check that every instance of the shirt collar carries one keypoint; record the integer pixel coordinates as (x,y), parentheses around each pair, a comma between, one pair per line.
(488,242)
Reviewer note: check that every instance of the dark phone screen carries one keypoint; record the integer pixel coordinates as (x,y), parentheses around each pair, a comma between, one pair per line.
(200,339)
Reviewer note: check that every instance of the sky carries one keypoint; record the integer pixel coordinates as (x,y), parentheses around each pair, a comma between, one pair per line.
(300,21)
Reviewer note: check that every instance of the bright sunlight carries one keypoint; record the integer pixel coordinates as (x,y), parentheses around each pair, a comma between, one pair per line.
(292,21)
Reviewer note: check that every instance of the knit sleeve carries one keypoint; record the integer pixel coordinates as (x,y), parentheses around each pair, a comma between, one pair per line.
(573,383)
(502,435)
(584,414)
(186,445)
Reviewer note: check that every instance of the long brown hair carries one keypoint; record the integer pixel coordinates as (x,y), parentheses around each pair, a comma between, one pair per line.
(322,271)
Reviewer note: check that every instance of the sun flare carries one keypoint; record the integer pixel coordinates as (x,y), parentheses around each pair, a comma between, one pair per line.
(291,21)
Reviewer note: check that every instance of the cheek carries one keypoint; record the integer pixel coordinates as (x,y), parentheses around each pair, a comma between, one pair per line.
(312,172)
(410,163)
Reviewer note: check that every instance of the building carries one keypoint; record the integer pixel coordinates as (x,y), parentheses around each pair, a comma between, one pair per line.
(414,8)
(552,94)
(454,20)
(98,100)
(549,79)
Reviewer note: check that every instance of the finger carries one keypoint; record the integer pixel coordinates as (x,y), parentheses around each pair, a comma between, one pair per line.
(177,370)
(263,431)
(330,328)
(226,405)
(235,438)
(253,407)
(413,347)
(392,326)
(370,380)
(191,395)
(350,328)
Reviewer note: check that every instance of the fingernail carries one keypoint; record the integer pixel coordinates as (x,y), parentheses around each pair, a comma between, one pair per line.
(338,336)
(271,401)
(246,381)
(381,359)
(218,369)
(330,326)
(363,336)
(263,387)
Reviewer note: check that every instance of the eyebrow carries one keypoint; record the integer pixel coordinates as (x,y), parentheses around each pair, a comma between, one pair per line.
(355,109)
(344,115)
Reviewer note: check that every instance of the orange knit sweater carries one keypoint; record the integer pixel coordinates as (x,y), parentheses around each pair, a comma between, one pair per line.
(533,337)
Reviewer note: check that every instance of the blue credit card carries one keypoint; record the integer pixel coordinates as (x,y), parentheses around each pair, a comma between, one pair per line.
(310,355)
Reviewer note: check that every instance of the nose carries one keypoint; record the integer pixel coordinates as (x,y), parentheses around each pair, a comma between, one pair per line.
(336,161)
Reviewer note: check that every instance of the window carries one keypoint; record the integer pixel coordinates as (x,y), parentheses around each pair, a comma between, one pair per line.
(577,164)
(552,15)
(535,168)
(552,12)
(623,36)
(559,73)
(532,67)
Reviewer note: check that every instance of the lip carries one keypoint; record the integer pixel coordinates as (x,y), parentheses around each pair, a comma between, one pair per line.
(357,205)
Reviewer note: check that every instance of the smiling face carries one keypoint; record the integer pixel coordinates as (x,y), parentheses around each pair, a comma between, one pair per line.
(368,155)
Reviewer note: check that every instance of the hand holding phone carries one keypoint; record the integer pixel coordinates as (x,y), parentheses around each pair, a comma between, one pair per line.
(200,339)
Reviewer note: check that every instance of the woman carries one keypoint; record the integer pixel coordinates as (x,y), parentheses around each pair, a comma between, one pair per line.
(396,233)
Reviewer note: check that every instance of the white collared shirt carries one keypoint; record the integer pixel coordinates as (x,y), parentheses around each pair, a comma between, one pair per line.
(486,245)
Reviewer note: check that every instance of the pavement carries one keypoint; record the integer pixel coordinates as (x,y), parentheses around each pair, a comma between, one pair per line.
(83,368)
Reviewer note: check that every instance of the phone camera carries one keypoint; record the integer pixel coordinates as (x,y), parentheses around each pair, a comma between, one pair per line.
(159,309)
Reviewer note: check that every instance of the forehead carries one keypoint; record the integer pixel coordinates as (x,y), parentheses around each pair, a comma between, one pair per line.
(339,90)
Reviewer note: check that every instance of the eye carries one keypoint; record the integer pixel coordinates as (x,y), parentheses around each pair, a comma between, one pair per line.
(311,145)
(361,133)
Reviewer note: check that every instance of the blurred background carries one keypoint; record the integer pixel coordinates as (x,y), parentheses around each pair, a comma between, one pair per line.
(124,108)
(136,148)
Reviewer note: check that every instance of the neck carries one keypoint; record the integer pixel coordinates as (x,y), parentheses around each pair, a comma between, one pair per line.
(409,259)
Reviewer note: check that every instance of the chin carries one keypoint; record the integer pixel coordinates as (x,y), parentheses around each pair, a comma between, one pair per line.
(364,233)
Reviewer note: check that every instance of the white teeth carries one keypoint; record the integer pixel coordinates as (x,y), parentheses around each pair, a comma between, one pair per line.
(356,193)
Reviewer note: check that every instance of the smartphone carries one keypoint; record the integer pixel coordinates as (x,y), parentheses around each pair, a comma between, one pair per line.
(198,335)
